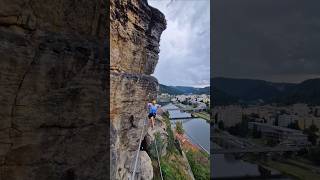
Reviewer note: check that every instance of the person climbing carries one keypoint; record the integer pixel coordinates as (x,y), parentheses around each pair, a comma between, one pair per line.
(152,107)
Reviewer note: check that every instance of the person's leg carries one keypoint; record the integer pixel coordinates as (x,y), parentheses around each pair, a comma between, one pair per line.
(152,121)
(149,120)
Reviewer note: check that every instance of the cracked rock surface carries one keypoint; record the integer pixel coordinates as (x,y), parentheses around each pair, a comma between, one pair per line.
(53,90)
(135,30)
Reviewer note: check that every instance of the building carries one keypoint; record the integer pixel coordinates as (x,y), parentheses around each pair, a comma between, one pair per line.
(301,109)
(307,121)
(281,134)
(229,115)
(285,119)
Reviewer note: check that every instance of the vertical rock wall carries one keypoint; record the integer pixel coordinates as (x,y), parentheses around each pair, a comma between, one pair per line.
(53,90)
(135,30)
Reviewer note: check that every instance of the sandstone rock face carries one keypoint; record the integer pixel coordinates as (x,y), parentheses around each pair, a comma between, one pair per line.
(135,30)
(145,160)
(53,90)
(160,127)
(76,17)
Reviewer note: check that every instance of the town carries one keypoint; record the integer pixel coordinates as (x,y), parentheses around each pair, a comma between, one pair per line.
(279,120)
(285,136)
(201,101)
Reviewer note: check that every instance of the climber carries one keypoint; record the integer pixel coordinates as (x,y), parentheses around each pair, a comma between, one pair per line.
(152,107)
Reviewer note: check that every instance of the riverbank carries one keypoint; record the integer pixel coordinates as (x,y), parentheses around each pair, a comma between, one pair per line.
(204,115)
(292,170)
(195,137)
(184,141)
(173,164)
(290,166)
(199,162)
(198,159)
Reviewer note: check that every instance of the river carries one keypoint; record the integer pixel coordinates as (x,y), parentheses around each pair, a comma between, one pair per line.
(196,129)
(228,167)
(223,167)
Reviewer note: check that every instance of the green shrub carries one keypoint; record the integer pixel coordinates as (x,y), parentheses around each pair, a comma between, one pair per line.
(171,163)
(179,127)
(171,170)
(170,146)
(200,169)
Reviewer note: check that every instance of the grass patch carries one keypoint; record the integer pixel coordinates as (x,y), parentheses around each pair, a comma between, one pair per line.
(289,167)
(171,145)
(199,163)
(203,115)
(173,165)
(292,170)
(170,164)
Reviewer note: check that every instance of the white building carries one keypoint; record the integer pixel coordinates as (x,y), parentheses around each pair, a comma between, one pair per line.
(285,119)
(281,134)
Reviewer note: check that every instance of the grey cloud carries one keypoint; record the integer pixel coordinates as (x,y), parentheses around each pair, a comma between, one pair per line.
(185,44)
(267,39)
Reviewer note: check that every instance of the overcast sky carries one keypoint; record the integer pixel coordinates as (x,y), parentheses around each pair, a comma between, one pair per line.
(274,40)
(185,44)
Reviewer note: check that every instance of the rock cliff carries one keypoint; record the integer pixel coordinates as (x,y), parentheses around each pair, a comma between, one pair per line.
(53,90)
(135,30)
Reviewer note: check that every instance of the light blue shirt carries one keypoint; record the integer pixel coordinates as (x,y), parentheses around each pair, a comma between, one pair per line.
(152,108)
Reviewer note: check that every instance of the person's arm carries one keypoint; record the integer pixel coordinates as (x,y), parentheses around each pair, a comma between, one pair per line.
(148,106)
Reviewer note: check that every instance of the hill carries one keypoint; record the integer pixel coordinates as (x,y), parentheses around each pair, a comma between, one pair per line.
(178,90)
(221,98)
(249,90)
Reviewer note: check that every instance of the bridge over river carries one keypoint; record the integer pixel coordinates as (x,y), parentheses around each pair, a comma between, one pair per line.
(181,107)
